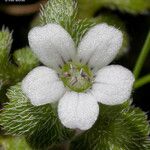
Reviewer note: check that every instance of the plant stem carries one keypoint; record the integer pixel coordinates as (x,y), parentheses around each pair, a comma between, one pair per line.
(142,57)
(142,81)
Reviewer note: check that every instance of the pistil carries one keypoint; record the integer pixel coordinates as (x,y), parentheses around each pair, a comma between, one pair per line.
(77,77)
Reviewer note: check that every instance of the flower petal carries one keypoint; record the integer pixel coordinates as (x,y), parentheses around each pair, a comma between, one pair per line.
(100,46)
(42,86)
(113,85)
(52,44)
(78,110)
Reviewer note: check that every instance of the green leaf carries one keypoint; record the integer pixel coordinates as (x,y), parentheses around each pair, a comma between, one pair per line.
(25,60)
(5,42)
(64,12)
(57,11)
(40,124)
(88,9)
(117,128)
(13,143)
(13,70)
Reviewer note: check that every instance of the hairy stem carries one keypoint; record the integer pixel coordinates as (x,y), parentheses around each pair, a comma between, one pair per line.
(142,81)
(142,57)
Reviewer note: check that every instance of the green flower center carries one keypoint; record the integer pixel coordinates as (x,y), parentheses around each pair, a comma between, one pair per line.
(77,77)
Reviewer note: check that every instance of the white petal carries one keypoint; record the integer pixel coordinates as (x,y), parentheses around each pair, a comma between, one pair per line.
(42,86)
(78,110)
(52,44)
(100,46)
(113,85)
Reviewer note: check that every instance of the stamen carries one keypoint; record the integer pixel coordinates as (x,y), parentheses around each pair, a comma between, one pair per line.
(77,77)
(63,60)
(73,81)
(84,75)
(71,66)
(81,70)
(67,74)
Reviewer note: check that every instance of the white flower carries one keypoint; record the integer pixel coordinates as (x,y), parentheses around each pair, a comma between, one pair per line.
(77,77)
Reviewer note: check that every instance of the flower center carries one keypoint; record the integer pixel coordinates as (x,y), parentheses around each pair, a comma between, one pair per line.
(77,77)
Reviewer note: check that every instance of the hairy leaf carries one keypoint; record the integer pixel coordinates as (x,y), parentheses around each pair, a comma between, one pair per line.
(13,143)
(40,124)
(64,12)
(13,69)
(117,128)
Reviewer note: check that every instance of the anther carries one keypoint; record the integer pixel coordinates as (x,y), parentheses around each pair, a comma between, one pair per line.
(73,81)
(63,60)
(83,74)
(67,74)
(81,71)
(71,66)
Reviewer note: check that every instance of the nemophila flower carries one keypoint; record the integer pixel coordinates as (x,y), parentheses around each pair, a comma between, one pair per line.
(77,77)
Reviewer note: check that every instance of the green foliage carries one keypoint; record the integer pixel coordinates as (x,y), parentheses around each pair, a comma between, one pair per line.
(117,128)
(5,41)
(40,124)
(57,11)
(64,12)
(13,70)
(88,8)
(13,143)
